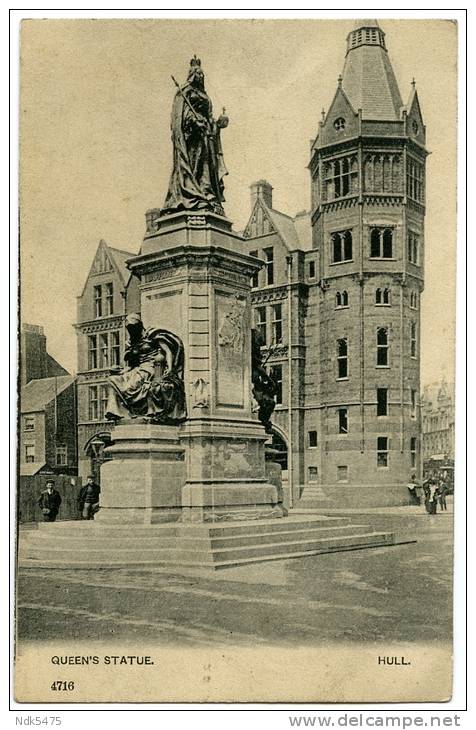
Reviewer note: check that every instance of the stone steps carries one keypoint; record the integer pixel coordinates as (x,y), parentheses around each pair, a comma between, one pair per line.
(205,546)
(198,540)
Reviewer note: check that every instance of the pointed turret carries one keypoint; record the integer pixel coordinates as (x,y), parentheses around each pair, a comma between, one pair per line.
(368,78)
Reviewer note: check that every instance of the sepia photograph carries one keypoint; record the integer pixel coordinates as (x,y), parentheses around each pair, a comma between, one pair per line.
(236,387)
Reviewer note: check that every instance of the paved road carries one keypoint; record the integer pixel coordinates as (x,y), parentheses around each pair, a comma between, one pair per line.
(401,593)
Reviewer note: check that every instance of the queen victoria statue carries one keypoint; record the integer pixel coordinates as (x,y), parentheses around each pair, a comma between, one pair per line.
(198,170)
(151,384)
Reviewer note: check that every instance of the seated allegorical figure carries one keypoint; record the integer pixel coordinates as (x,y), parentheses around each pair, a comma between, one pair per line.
(151,384)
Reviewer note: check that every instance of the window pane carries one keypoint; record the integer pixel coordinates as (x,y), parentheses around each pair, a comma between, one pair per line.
(348,246)
(382,401)
(336,248)
(387,243)
(343,428)
(375,243)
(312,439)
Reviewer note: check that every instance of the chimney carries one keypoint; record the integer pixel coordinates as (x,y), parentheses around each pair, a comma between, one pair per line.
(262,190)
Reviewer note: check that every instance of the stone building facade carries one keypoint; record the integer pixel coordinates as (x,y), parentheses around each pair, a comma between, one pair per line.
(348,295)
(438,422)
(109,294)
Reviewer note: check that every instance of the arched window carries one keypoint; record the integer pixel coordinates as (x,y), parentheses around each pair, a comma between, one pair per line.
(342,299)
(381,243)
(341,246)
(378,296)
(337,179)
(386,296)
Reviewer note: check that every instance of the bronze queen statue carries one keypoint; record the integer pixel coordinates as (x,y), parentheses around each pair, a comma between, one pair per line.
(198,170)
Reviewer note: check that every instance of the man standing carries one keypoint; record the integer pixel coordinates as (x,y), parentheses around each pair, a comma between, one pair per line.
(88,499)
(412,487)
(49,502)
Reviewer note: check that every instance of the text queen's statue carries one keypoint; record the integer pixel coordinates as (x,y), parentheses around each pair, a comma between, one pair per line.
(196,182)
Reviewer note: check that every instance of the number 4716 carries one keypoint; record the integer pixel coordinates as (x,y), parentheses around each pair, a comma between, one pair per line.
(62,685)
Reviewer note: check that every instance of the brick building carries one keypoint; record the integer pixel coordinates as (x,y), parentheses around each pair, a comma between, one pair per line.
(108,295)
(344,300)
(47,425)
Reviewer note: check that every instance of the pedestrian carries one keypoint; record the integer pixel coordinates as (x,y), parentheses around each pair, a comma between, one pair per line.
(433,501)
(412,487)
(88,499)
(442,492)
(49,502)
(427,492)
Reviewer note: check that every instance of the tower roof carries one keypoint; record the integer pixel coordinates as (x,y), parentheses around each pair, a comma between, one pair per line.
(368,78)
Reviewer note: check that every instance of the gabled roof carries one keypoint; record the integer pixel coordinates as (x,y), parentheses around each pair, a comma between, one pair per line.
(117,258)
(36,394)
(120,257)
(295,233)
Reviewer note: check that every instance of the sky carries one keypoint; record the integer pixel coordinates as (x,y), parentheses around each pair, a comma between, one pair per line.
(95,150)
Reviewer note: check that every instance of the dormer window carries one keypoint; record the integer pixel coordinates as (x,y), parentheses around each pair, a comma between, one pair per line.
(339,124)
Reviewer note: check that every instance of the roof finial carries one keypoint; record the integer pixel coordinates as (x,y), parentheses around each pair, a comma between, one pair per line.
(413,82)
(323,114)
(339,80)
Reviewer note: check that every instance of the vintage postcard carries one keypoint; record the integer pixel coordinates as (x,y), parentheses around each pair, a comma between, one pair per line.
(237,339)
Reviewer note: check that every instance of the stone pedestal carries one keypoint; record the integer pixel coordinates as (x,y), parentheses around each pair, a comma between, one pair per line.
(142,483)
(196,283)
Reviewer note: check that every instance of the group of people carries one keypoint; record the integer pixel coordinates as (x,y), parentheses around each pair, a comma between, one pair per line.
(433,490)
(49,500)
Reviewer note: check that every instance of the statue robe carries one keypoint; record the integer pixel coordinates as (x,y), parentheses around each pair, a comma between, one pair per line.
(196,182)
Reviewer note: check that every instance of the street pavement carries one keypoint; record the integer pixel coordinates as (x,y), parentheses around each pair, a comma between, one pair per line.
(394,594)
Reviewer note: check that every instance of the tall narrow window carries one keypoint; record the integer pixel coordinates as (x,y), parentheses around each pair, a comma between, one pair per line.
(413,243)
(342,420)
(386,296)
(98,301)
(413,452)
(312,439)
(115,349)
(109,298)
(93,403)
(103,401)
(342,358)
(413,402)
(382,401)
(382,347)
(312,269)
(93,352)
(269,263)
(382,451)
(261,323)
(29,453)
(413,339)
(254,278)
(277,323)
(104,350)
(277,375)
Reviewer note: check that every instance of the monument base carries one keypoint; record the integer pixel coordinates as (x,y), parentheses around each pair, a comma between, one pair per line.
(226,472)
(142,481)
